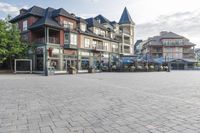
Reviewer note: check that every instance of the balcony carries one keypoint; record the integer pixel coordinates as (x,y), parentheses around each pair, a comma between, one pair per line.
(156,50)
(70,46)
(115,50)
(127,42)
(188,51)
(52,40)
(126,32)
(127,51)
(189,56)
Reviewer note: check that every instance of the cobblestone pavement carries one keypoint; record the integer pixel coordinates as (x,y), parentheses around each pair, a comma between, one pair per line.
(101,103)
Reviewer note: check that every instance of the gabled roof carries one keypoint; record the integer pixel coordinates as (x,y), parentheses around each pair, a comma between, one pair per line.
(166,35)
(94,23)
(62,12)
(35,11)
(46,20)
(81,20)
(126,18)
(157,40)
(102,19)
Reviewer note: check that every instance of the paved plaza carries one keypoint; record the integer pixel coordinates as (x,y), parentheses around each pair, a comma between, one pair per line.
(157,102)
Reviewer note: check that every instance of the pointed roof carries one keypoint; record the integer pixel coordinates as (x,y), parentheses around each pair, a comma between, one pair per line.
(35,11)
(63,12)
(94,23)
(102,19)
(126,18)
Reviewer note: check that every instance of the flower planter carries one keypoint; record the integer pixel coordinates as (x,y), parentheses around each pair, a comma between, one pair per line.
(132,69)
(91,70)
(72,70)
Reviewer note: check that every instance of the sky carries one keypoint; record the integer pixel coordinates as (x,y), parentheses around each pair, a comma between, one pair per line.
(150,16)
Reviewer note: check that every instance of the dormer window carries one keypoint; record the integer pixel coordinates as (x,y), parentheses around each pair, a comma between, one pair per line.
(83,27)
(25,25)
(67,24)
(97,31)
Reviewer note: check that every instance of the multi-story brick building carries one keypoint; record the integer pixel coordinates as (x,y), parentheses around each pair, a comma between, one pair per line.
(170,47)
(60,39)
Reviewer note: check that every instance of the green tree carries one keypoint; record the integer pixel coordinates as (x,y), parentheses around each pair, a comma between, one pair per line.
(13,46)
(3,41)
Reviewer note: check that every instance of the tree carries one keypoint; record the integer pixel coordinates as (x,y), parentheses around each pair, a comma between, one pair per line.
(3,41)
(12,46)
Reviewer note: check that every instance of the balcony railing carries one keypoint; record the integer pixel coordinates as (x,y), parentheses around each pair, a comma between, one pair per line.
(126,50)
(188,51)
(70,46)
(126,41)
(126,32)
(115,50)
(188,56)
(156,51)
(52,40)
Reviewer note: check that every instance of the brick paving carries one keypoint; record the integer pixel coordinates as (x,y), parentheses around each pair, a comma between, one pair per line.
(101,103)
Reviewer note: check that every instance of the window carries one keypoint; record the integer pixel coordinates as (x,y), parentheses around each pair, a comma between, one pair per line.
(94,44)
(73,39)
(103,33)
(106,46)
(67,24)
(97,31)
(83,27)
(67,39)
(25,25)
(87,43)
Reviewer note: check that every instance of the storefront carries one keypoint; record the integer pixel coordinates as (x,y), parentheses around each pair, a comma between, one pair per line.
(70,59)
(182,64)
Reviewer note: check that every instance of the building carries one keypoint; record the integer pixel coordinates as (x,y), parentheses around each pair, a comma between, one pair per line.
(171,47)
(60,39)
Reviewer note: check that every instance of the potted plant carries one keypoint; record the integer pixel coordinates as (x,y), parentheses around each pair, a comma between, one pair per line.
(91,69)
(146,67)
(161,68)
(139,68)
(104,68)
(72,70)
(165,68)
(151,67)
(132,68)
(114,68)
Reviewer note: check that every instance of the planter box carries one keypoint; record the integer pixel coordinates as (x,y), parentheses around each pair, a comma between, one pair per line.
(72,71)
(91,70)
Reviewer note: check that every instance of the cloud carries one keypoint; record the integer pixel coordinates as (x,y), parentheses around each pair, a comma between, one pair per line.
(10,9)
(183,23)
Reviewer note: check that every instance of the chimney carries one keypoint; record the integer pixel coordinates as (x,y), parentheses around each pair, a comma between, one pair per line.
(72,14)
(22,11)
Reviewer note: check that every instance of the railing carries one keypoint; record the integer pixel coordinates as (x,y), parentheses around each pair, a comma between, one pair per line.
(115,50)
(53,40)
(188,51)
(127,42)
(188,56)
(126,50)
(126,32)
(156,51)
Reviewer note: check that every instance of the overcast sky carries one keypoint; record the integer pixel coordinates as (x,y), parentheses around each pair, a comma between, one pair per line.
(150,16)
